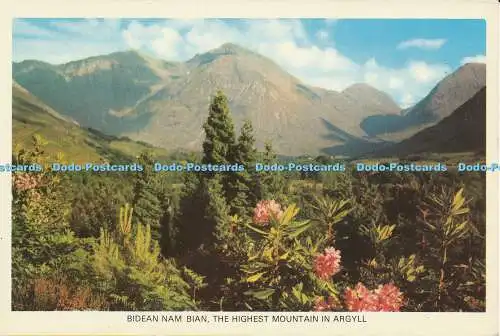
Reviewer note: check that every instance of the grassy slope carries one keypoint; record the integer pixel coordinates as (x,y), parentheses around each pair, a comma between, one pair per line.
(77,144)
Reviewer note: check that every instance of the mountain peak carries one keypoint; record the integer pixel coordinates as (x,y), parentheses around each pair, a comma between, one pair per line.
(372,97)
(359,87)
(230,49)
(226,49)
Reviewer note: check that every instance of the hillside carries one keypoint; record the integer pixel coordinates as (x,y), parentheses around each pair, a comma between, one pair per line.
(31,116)
(462,131)
(450,93)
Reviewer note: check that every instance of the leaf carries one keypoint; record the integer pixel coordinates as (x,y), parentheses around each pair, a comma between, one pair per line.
(255,277)
(301,229)
(289,213)
(458,200)
(256,230)
(284,256)
(262,294)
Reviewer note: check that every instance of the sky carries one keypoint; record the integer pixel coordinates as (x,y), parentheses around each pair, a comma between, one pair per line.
(402,57)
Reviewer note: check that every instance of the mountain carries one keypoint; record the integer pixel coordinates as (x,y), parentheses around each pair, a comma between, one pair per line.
(464,130)
(91,91)
(450,93)
(166,103)
(31,116)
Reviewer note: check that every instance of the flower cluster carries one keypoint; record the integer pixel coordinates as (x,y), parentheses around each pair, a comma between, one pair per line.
(265,210)
(386,298)
(327,264)
(329,304)
(26,181)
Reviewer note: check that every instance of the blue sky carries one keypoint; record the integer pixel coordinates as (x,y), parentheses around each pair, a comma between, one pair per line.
(403,57)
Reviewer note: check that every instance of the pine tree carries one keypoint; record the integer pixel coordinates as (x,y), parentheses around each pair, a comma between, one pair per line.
(242,186)
(146,200)
(197,223)
(219,130)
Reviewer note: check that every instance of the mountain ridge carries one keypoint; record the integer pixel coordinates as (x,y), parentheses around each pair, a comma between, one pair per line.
(139,96)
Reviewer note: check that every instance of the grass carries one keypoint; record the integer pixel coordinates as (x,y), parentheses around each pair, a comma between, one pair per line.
(76,144)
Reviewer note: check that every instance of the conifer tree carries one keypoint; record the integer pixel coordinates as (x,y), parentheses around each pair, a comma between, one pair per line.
(219,132)
(242,186)
(146,200)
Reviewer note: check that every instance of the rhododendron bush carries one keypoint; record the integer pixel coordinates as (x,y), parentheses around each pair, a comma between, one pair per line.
(276,265)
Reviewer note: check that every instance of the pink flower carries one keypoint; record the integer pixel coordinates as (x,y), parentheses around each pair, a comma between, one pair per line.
(360,299)
(326,305)
(26,181)
(390,298)
(386,298)
(265,210)
(328,264)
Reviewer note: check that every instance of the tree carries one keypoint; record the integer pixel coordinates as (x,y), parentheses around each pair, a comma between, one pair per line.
(242,195)
(196,227)
(269,185)
(146,200)
(219,132)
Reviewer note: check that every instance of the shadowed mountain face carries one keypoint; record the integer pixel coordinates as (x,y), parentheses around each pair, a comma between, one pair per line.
(462,131)
(453,91)
(165,104)
(31,116)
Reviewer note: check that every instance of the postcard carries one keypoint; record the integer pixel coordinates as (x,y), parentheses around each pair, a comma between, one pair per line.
(182,168)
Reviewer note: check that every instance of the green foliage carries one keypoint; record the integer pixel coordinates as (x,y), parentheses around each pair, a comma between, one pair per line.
(43,244)
(329,212)
(269,185)
(219,130)
(146,201)
(242,188)
(278,270)
(97,200)
(133,275)
(191,244)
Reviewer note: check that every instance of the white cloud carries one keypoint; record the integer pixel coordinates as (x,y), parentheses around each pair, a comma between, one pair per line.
(395,82)
(322,35)
(407,100)
(425,73)
(473,59)
(64,41)
(422,43)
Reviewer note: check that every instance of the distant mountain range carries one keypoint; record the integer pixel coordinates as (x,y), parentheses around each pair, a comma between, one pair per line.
(165,103)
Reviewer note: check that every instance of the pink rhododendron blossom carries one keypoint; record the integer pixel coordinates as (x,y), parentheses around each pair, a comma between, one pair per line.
(360,299)
(386,298)
(389,297)
(26,181)
(327,264)
(265,210)
(326,305)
